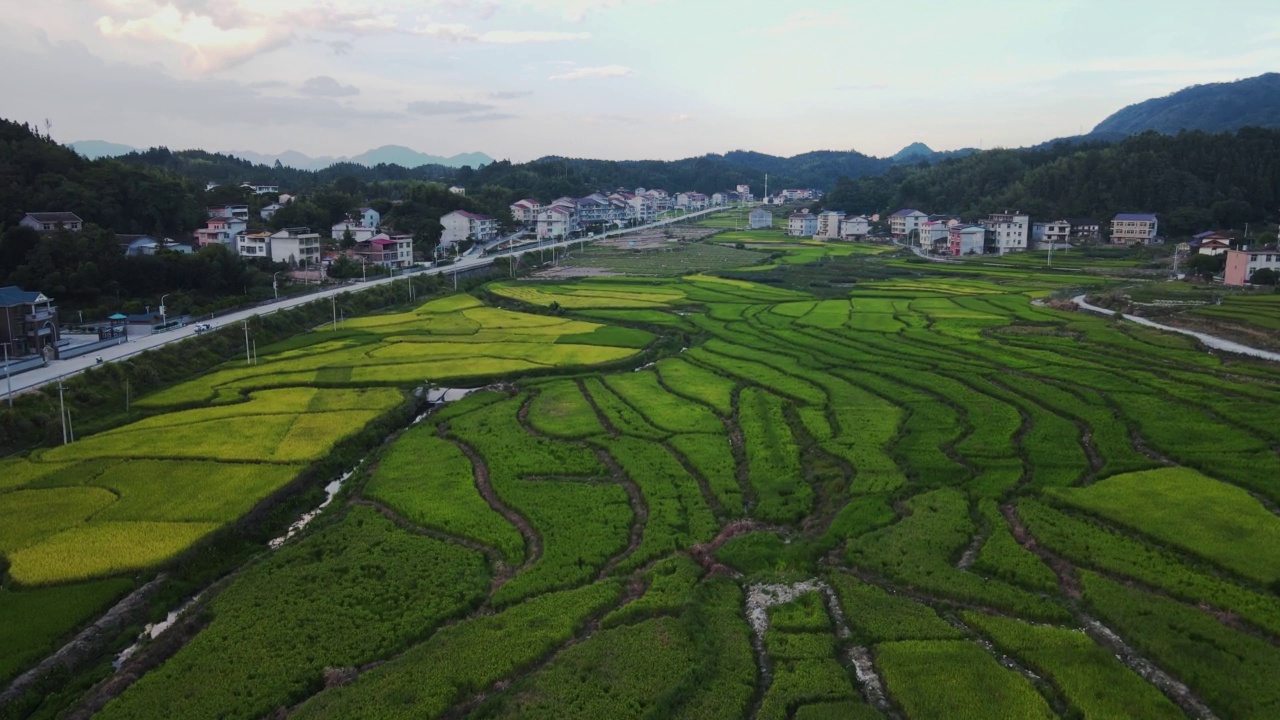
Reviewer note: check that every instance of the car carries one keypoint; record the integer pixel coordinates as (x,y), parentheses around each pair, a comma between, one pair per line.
(203,328)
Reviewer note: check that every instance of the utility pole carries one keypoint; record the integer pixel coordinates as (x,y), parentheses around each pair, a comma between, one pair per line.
(8,376)
(248,360)
(126,396)
(62,412)
(333,300)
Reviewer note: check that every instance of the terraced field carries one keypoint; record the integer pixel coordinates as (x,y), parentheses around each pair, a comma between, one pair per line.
(920,497)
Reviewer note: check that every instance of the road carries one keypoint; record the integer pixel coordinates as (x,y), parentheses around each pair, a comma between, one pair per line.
(62,369)
(1212,341)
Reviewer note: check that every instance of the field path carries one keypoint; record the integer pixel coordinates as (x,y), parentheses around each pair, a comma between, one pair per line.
(533,543)
(1212,341)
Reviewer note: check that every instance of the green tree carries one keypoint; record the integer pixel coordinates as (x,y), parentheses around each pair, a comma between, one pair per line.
(348,240)
(1265,276)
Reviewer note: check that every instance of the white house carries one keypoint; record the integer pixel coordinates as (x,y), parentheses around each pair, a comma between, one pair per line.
(525,211)
(359,232)
(1242,264)
(1057,232)
(1008,231)
(760,218)
(262,189)
(855,228)
(934,233)
(239,212)
(391,251)
(297,246)
(51,221)
(906,221)
(557,221)
(268,210)
(462,225)
(369,217)
(1134,228)
(643,208)
(456,190)
(802,224)
(254,245)
(829,224)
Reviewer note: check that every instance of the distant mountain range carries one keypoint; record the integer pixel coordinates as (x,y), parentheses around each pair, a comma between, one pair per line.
(387,154)
(1215,108)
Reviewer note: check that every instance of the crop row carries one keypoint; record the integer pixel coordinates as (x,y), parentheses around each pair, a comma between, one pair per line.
(782,494)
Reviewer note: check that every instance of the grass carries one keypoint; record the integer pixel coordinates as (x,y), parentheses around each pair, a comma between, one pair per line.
(678,259)
(955,679)
(33,621)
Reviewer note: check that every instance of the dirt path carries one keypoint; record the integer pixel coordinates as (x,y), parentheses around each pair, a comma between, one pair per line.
(532,543)
(639,511)
(1211,341)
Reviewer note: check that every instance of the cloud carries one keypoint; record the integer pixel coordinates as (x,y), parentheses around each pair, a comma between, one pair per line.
(509,94)
(595,73)
(488,117)
(325,86)
(681,118)
(341,47)
(219,34)
(461,33)
(804,20)
(447,107)
(618,119)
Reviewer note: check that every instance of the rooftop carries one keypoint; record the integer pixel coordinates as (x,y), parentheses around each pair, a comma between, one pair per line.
(1140,217)
(13,295)
(54,217)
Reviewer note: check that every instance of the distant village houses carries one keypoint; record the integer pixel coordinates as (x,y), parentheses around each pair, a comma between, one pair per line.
(1134,229)
(462,226)
(760,218)
(44,222)
(1243,264)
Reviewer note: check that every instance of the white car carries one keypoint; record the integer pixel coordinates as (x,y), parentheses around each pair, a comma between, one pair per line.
(203,328)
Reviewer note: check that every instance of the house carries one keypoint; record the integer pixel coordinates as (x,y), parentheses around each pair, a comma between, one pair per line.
(220,231)
(386,250)
(525,211)
(794,195)
(456,190)
(855,228)
(660,198)
(829,224)
(906,221)
(462,225)
(261,189)
(1057,233)
(692,201)
(1008,231)
(1242,264)
(369,217)
(1085,229)
(1134,229)
(358,232)
(285,199)
(239,212)
(51,221)
(802,224)
(254,245)
(643,208)
(966,240)
(759,219)
(135,245)
(297,246)
(29,323)
(1212,242)
(268,210)
(557,221)
(934,234)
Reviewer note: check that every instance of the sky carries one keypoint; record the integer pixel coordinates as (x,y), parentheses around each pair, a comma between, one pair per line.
(612,79)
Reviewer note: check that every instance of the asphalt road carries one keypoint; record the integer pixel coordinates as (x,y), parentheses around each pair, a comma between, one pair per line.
(62,369)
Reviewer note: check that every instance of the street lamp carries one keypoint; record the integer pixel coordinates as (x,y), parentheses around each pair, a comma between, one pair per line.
(163,318)
(275,287)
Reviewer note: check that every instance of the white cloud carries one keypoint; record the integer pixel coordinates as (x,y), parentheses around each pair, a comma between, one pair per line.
(209,47)
(594,73)
(681,118)
(461,33)
(804,20)
(447,107)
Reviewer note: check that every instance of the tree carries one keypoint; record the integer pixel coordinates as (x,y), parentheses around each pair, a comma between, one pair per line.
(1265,276)
(348,240)
(1206,266)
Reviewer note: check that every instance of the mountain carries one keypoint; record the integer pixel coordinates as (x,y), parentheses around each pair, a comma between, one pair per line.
(914,151)
(385,155)
(94,149)
(1215,108)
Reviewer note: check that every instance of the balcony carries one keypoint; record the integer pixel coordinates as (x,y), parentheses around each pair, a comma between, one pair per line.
(38,316)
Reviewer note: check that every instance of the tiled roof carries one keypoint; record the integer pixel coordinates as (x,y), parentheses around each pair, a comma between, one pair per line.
(54,217)
(14,295)
(1139,217)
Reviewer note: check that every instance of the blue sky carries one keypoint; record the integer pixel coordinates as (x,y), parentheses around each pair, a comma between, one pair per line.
(618,79)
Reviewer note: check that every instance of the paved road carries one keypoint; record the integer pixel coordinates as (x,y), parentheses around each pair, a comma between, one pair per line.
(61,369)
(1212,341)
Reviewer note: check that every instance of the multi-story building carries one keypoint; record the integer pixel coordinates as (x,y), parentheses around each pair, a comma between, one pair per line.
(1213,242)
(239,212)
(1242,264)
(759,219)
(221,231)
(297,246)
(1009,231)
(359,233)
(1134,229)
(28,323)
(802,224)
(934,234)
(369,217)
(966,240)
(1085,229)
(557,221)
(262,189)
(390,251)
(661,200)
(1055,233)
(829,224)
(797,194)
(51,221)
(855,228)
(463,225)
(254,245)
(906,221)
(525,211)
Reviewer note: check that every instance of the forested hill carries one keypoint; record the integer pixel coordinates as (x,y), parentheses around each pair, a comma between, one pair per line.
(39,175)
(1217,107)
(1194,180)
